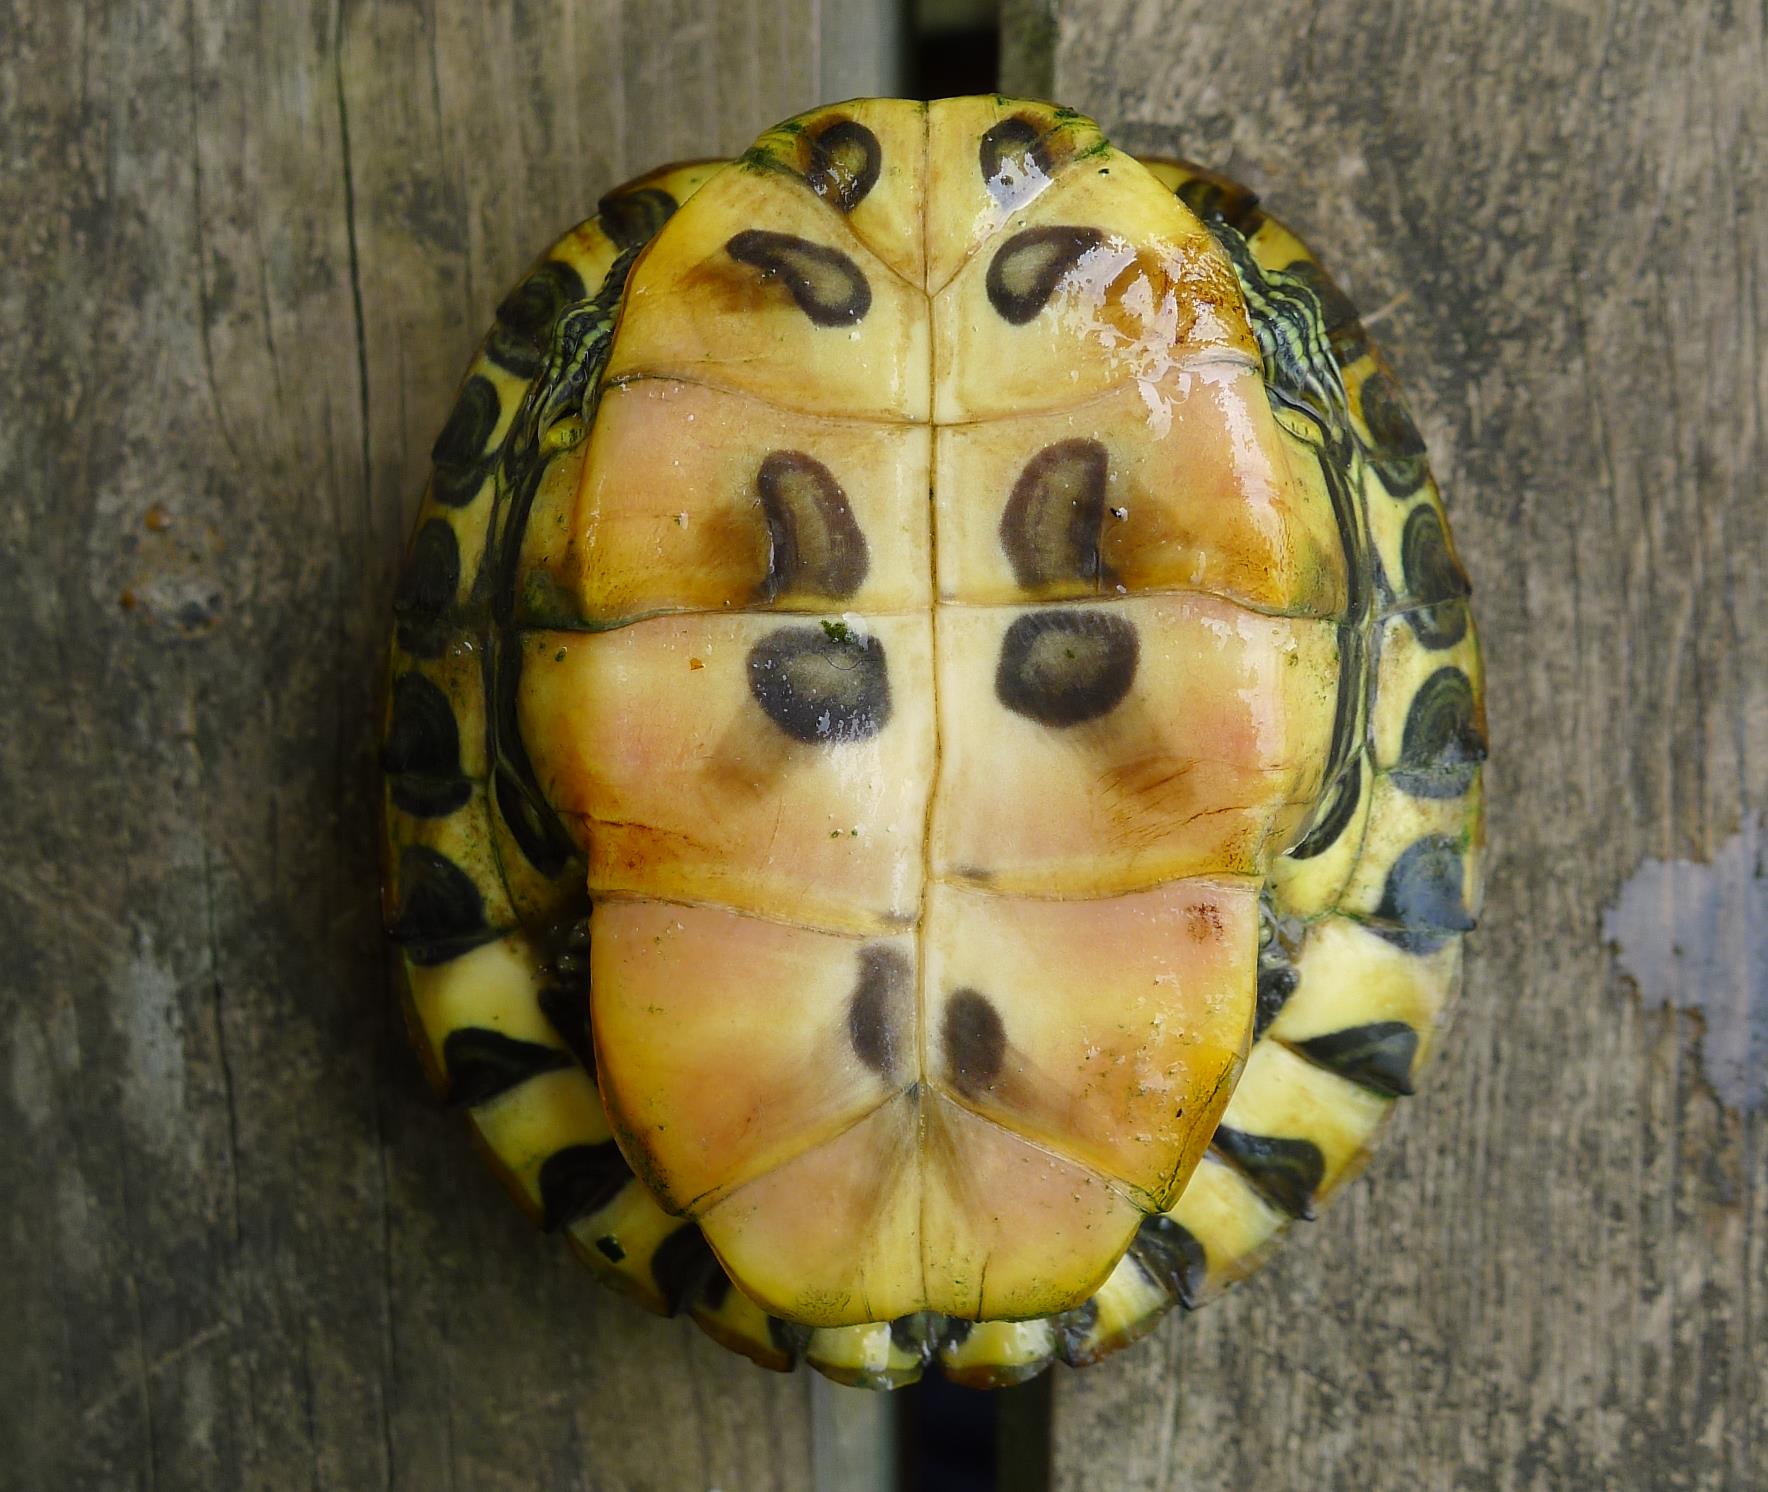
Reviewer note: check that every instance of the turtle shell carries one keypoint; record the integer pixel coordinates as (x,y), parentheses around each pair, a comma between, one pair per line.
(933,747)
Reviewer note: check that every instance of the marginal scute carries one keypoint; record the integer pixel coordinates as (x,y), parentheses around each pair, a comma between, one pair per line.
(427,587)
(526,315)
(1172,1257)
(682,1265)
(1397,449)
(1443,744)
(824,282)
(1066,667)
(631,218)
(1027,268)
(821,686)
(1425,899)
(421,754)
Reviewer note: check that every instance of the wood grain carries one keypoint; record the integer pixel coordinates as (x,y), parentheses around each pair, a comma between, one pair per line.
(1556,220)
(248,249)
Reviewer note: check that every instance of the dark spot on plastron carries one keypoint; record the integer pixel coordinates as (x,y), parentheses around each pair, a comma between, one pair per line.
(1346,793)
(482,1063)
(1171,1256)
(975,1041)
(826,284)
(441,914)
(1277,982)
(1013,148)
(821,689)
(542,842)
(1377,1056)
(526,316)
(1026,270)
(460,454)
(1286,1172)
(427,588)
(1065,667)
(567,1012)
(421,755)
(815,543)
(1074,1333)
(880,1009)
(1052,525)
(610,1248)
(845,158)
(1397,449)
(1442,744)
(579,1180)
(633,218)
(1424,901)
(684,1261)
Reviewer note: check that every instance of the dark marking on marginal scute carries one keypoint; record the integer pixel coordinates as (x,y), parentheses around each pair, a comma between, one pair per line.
(1028,267)
(683,1263)
(1377,1056)
(1277,982)
(1424,901)
(610,1248)
(845,158)
(1287,1172)
(427,588)
(915,1335)
(579,1180)
(526,315)
(1397,449)
(1346,793)
(826,284)
(1216,199)
(483,1063)
(815,544)
(567,1012)
(441,914)
(790,1337)
(975,1041)
(1442,745)
(819,688)
(954,1331)
(633,218)
(1171,1256)
(1435,585)
(1052,525)
(538,835)
(880,1009)
(1065,667)
(460,453)
(1074,1332)
(421,755)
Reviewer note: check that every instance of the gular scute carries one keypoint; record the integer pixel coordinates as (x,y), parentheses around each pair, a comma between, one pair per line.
(975,1041)
(880,1012)
(845,159)
(821,685)
(826,284)
(1051,527)
(1026,270)
(814,542)
(1065,667)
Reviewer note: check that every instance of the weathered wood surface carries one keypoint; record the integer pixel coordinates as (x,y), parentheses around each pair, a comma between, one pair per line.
(248,249)
(1556,219)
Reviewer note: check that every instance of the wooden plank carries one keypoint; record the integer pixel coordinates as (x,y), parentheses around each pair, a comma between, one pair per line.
(249,248)
(1555,218)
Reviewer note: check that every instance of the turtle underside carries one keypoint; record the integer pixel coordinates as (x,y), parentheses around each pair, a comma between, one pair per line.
(934,743)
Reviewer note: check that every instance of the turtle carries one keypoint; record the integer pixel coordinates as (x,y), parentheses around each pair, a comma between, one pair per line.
(933,742)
